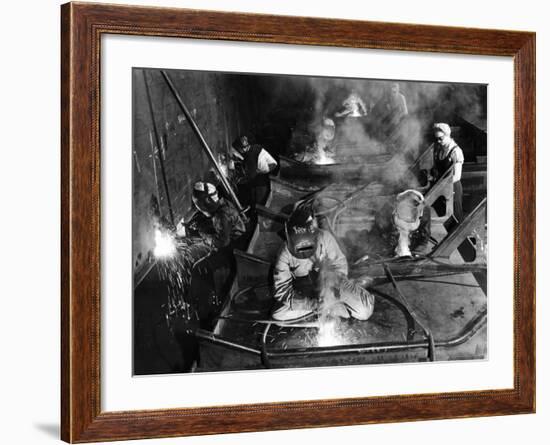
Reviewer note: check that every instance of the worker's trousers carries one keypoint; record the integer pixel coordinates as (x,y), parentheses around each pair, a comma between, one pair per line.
(346,300)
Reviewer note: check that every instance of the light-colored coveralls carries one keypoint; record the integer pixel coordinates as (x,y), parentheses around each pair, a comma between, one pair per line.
(354,301)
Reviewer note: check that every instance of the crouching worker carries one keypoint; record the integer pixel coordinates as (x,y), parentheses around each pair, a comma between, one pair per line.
(217,220)
(221,227)
(311,274)
(403,229)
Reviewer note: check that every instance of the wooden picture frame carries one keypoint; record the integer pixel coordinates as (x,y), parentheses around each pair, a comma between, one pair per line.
(82,26)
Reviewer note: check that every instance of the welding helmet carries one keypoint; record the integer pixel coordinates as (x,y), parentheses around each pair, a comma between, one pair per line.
(241,144)
(409,208)
(328,129)
(301,233)
(205,198)
(327,122)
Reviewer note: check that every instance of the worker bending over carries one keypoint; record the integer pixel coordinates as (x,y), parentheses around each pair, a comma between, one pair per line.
(220,225)
(256,163)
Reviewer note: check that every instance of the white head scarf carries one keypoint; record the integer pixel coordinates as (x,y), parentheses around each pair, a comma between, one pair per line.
(444,128)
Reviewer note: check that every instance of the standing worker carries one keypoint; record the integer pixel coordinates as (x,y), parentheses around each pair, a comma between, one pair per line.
(396,105)
(389,112)
(395,109)
(448,154)
(257,163)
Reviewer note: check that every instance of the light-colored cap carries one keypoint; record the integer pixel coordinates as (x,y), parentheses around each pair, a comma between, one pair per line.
(444,128)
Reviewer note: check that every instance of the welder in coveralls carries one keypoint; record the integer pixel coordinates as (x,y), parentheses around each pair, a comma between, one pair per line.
(402,229)
(310,274)
(220,225)
(256,164)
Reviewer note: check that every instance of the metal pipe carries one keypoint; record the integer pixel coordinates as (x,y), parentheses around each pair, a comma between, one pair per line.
(205,335)
(157,137)
(408,317)
(265,354)
(203,142)
(153,155)
(383,347)
(282,324)
(477,323)
(372,348)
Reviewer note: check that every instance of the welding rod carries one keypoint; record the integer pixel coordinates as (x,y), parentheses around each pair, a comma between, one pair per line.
(204,144)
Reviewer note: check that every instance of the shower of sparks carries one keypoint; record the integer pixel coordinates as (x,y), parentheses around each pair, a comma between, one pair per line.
(329,334)
(177,259)
(165,245)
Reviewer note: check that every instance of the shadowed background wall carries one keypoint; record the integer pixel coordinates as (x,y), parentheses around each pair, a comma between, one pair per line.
(167,155)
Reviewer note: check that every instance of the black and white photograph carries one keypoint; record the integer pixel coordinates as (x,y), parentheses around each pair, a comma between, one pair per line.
(285,221)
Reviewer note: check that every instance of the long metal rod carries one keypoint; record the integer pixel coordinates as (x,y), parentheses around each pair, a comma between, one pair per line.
(203,142)
(153,155)
(216,339)
(157,138)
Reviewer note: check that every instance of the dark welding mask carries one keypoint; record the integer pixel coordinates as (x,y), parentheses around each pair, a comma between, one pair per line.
(301,233)
(205,198)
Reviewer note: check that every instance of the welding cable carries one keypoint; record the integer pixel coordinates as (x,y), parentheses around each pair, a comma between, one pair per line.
(341,203)
(398,259)
(238,294)
(265,355)
(427,332)
(298,322)
(335,217)
(479,266)
(395,259)
(336,206)
(283,324)
(292,322)
(408,317)
(309,190)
